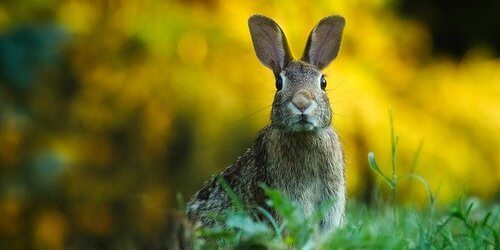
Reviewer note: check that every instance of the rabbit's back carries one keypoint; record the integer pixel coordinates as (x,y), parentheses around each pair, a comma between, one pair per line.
(243,179)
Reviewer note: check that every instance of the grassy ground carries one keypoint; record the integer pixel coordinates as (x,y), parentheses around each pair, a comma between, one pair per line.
(466,224)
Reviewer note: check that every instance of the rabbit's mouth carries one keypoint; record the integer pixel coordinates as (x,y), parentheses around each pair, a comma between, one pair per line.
(303,123)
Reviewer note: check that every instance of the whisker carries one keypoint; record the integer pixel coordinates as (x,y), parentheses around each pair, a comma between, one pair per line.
(265,86)
(338,114)
(343,99)
(259,98)
(261,109)
(247,117)
(334,87)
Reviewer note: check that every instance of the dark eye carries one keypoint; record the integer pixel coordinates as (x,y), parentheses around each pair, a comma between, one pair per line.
(323,83)
(279,83)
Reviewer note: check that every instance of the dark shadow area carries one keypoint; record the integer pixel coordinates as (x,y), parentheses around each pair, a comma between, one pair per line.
(457,26)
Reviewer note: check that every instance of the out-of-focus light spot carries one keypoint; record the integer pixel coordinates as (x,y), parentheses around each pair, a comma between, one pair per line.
(78,16)
(94,219)
(50,230)
(192,48)
(153,207)
(10,221)
(4,18)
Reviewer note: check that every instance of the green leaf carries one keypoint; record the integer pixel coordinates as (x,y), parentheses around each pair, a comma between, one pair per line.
(278,230)
(421,180)
(374,166)
(247,225)
(235,200)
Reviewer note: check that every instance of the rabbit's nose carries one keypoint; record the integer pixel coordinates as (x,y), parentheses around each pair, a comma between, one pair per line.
(301,99)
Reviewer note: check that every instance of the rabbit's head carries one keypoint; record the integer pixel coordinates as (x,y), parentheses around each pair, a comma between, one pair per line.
(300,102)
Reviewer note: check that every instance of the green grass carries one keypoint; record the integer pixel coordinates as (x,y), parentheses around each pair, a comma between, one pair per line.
(466,224)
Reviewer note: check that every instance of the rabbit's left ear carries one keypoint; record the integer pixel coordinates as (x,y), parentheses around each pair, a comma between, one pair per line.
(269,43)
(323,43)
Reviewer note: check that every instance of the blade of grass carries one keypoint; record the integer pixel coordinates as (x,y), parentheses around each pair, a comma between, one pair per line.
(235,200)
(271,220)
(374,166)
(421,180)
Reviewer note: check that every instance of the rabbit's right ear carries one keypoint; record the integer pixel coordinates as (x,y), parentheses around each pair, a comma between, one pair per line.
(323,43)
(270,43)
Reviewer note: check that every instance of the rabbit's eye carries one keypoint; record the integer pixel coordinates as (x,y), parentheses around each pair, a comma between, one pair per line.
(279,83)
(323,83)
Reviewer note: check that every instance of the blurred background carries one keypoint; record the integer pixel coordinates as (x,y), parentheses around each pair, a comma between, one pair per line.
(108,109)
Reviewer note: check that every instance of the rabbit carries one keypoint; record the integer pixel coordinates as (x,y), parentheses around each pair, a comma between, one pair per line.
(299,152)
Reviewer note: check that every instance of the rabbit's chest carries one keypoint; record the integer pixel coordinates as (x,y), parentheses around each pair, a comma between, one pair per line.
(309,170)
(308,186)
(309,196)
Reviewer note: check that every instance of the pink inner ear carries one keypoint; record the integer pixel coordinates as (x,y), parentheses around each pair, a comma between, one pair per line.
(324,41)
(269,43)
(280,53)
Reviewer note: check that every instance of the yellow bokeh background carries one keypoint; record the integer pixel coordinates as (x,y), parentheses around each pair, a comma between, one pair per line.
(166,93)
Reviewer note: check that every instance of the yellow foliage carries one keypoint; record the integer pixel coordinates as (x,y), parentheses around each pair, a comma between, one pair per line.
(167,93)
